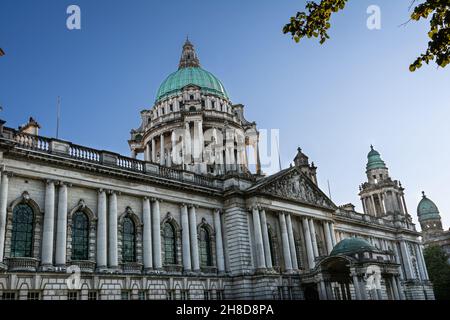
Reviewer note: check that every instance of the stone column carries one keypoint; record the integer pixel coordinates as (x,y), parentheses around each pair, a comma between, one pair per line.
(112,232)
(308,242)
(61,231)
(259,248)
(186,243)
(265,236)
(102,231)
(333,233)
(420,263)
(313,237)
(147,234)
(3,212)
(156,233)
(200,140)
(356,285)
(219,242)
(194,239)
(147,154)
(174,149)
(328,240)
(394,288)
(291,242)
(285,241)
(161,150)
(49,223)
(153,150)
(322,290)
(400,289)
(423,263)
(406,260)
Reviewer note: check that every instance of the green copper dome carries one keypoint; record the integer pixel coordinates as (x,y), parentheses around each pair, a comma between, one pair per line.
(197,76)
(374,160)
(350,246)
(190,73)
(427,210)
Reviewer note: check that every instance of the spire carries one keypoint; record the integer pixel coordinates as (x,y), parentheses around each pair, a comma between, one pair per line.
(188,56)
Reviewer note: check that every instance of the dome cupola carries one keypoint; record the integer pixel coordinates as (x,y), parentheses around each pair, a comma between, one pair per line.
(427,210)
(190,73)
(374,160)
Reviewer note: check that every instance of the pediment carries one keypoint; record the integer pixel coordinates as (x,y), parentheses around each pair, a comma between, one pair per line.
(293,185)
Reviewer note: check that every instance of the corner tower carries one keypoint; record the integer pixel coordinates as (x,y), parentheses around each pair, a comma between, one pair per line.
(381,195)
(429,217)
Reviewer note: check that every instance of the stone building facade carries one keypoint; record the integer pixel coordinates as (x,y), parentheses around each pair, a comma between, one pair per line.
(191,220)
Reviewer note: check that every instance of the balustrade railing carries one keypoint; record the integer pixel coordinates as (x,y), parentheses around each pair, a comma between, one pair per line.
(73,151)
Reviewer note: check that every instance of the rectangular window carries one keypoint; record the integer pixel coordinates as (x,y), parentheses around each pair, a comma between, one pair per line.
(184,294)
(33,295)
(72,295)
(92,295)
(206,294)
(220,294)
(142,295)
(125,295)
(9,296)
(170,294)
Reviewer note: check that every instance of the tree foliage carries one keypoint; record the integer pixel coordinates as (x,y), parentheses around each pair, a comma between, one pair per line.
(439,271)
(315,22)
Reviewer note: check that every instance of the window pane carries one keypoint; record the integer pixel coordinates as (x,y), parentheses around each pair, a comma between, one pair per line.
(128,241)
(22,231)
(205,248)
(80,236)
(169,244)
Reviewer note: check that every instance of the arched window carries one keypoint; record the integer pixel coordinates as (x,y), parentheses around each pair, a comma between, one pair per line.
(205,248)
(128,241)
(169,244)
(22,231)
(272,249)
(80,236)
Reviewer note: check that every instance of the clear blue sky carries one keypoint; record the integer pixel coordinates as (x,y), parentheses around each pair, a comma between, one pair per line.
(333,100)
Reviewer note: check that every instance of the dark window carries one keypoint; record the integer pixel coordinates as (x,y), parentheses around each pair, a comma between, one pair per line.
(171,108)
(205,248)
(125,295)
(80,236)
(184,294)
(92,295)
(72,295)
(169,244)
(272,250)
(142,295)
(8,296)
(206,294)
(192,97)
(220,294)
(203,103)
(128,241)
(33,295)
(213,104)
(170,294)
(22,231)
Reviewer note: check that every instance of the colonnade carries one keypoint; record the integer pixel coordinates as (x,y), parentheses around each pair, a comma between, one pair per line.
(107,230)
(286,220)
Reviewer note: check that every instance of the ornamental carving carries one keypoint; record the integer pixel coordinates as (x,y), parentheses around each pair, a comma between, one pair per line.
(295,186)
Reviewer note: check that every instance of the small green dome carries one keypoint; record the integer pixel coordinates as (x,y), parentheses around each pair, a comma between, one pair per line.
(197,76)
(374,160)
(351,245)
(427,210)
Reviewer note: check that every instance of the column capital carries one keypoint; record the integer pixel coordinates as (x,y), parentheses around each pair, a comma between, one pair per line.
(63,183)
(9,174)
(50,181)
(101,190)
(111,192)
(155,199)
(192,205)
(218,210)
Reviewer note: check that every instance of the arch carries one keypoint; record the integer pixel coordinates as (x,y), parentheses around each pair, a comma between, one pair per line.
(24,199)
(130,236)
(171,240)
(80,236)
(205,234)
(22,231)
(83,247)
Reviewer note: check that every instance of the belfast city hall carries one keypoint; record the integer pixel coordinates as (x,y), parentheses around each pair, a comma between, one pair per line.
(185,215)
